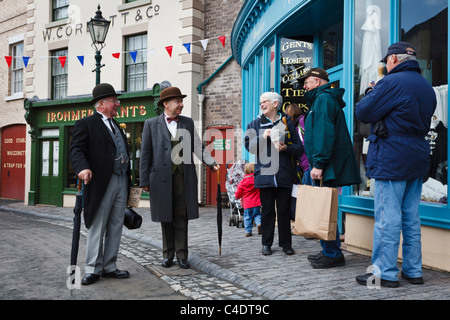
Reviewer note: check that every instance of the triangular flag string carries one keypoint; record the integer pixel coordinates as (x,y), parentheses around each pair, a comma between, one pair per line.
(187,46)
(169,50)
(25,61)
(62,60)
(204,43)
(8,60)
(133,55)
(222,40)
(151,51)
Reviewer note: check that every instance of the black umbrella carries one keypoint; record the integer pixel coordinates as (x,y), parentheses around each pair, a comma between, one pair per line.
(76,224)
(219,213)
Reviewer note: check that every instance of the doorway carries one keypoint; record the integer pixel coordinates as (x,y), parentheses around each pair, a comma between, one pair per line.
(49,169)
(13,162)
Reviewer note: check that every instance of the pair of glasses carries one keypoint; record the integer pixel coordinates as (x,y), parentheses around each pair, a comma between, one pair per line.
(263,102)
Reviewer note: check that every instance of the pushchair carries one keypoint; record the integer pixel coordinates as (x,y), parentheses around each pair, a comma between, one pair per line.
(235,174)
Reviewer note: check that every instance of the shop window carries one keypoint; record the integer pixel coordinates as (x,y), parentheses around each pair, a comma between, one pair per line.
(16,68)
(332,46)
(136,65)
(427,30)
(371,42)
(59,75)
(59,8)
(272,68)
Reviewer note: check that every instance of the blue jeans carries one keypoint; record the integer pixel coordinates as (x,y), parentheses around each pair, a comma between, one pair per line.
(397,212)
(251,214)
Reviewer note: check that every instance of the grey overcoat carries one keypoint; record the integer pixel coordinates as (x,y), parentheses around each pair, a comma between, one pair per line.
(156,165)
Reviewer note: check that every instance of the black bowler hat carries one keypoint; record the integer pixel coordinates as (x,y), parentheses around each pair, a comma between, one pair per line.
(399,48)
(170,93)
(103,90)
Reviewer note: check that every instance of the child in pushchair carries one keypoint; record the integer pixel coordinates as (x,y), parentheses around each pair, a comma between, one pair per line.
(234,175)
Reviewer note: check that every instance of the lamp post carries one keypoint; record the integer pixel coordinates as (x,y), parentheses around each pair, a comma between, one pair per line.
(98,28)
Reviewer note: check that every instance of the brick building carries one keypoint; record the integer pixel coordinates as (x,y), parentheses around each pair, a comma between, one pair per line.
(57,81)
(13,40)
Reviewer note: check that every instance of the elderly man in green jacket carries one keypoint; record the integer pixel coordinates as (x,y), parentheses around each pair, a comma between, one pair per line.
(329,149)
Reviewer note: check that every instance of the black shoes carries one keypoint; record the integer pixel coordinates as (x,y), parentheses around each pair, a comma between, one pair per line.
(374,281)
(117,274)
(324,262)
(363,280)
(167,263)
(412,280)
(315,257)
(90,278)
(183,263)
(266,251)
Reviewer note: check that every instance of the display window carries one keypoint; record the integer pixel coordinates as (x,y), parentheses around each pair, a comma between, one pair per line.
(427,30)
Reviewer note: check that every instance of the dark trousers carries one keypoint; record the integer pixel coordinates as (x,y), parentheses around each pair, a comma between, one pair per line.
(175,233)
(281,198)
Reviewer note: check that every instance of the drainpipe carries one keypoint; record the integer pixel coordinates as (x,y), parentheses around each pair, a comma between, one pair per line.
(201,98)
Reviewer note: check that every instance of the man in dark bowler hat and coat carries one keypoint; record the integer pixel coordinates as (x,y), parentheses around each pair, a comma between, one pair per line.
(167,171)
(99,154)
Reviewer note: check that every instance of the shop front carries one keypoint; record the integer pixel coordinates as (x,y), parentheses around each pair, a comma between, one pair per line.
(276,42)
(52,178)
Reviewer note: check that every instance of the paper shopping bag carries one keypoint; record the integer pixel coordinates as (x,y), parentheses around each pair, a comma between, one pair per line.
(134,197)
(316,212)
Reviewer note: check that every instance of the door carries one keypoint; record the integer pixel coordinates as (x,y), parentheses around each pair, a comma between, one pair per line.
(13,162)
(49,175)
(221,147)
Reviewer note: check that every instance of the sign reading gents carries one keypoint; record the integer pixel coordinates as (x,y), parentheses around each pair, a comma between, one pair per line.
(296,60)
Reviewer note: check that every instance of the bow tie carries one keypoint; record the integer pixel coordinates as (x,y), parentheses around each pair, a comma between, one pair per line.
(169,120)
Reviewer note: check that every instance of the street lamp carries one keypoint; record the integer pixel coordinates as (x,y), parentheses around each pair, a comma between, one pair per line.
(98,28)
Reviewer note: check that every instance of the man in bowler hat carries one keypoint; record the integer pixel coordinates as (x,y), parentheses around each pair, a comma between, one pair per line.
(167,172)
(99,153)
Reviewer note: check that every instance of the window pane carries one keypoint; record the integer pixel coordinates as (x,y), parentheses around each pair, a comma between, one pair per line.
(427,30)
(371,42)
(136,71)
(59,75)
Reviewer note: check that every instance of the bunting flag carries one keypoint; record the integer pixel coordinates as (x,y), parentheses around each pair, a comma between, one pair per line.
(62,60)
(133,55)
(222,40)
(8,60)
(25,61)
(187,46)
(169,50)
(204,43)
(150,51)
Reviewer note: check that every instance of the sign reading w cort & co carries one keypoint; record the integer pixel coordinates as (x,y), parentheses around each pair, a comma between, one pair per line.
(73,26)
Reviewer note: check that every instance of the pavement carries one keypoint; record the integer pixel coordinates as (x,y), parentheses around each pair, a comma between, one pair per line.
(240,272)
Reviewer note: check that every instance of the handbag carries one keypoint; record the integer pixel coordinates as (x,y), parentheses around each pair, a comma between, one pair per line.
(316,212)
(134,197)
(132,220)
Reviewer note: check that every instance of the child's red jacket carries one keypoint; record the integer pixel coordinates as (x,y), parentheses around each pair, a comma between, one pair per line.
(246,190)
